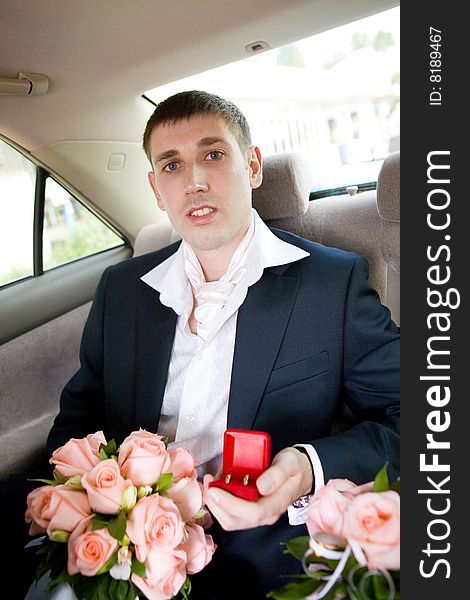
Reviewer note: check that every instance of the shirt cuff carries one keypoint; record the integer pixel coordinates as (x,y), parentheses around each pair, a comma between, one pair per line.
(298,516)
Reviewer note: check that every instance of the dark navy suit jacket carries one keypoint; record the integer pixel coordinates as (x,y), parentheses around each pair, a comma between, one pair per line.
(311,335)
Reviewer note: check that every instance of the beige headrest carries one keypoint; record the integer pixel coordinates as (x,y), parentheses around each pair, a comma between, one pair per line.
(286,186)
(154,236)
(388,188)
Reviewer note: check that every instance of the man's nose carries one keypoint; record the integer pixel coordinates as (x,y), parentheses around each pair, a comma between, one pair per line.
(195,180)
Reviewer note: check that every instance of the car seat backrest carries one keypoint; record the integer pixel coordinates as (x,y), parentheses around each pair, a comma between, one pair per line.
(367,223)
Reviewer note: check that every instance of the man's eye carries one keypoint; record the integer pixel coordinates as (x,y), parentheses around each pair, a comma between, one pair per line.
(214,155)
(170,167)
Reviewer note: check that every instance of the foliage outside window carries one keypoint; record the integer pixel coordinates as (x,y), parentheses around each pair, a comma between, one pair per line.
(70,230)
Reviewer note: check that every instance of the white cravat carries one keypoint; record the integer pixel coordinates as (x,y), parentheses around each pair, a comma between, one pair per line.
(212,296)
(195,403)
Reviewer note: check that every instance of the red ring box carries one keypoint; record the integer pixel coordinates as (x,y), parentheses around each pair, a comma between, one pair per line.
(245,453)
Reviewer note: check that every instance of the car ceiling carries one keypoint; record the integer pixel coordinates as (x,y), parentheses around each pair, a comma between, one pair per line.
(100,56)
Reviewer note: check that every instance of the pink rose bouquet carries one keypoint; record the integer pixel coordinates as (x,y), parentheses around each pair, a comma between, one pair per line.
(119,522)
(353,547)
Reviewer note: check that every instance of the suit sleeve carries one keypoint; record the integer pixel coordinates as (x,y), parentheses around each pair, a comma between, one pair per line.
(82,399)
(371,376)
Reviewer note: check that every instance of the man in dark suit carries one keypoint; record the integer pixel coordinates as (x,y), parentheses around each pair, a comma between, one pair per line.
(237,326)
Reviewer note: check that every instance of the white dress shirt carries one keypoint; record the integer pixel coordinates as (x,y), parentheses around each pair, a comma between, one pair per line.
(195,403)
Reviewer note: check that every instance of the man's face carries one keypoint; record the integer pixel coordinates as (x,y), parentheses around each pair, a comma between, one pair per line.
(203,179)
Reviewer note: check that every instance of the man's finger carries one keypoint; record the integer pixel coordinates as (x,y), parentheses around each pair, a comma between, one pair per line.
(266,510)
(231,512)
(283,467)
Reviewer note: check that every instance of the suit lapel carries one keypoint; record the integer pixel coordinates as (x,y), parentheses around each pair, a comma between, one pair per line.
(262,321)
(155,331)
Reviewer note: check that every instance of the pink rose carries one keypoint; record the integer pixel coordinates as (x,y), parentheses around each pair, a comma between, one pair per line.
(143,457)
(182,464)
(154,522)
(166,573)
(70,507)
(327,507)
(361,489)
(373,521)
(59,507)
(187,495)
(40,508)
(78,456)
(104,485)
(88,550)
(199,548)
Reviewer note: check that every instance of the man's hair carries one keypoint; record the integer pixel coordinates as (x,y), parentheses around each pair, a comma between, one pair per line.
(191,104)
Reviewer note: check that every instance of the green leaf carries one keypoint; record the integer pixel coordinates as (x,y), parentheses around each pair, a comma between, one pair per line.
(133,592)
(122,590)
(113,586)
(164,483)
(87,588)
(41,570)
(56,481)
(103,587)
(373,586)
(98,522)
(381,483)
(295,590)
(297,546)
(138,568)
(319,574)
(58,478)
(185,589)
(56,559)
(54,581)
(380,586)
(108,565)
(46,481)
(43,548)
(75,482)
(108,450)
(112,448)
(117,526)
(339,590)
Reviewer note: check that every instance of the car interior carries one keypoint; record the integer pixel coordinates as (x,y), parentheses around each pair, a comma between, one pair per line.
(73,107)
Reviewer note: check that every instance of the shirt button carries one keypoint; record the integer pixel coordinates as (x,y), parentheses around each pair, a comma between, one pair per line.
(189,417)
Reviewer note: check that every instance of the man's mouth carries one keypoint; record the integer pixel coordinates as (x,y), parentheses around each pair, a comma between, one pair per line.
(201,212)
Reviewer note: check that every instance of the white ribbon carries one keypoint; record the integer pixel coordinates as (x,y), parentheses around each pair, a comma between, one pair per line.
(323,548)
(334,547)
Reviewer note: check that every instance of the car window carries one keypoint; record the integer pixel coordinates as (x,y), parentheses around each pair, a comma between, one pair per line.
(333,97)
(42,225)
(17,191)
(71,231)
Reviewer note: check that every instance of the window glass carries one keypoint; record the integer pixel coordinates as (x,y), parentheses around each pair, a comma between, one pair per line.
(333,97)
(17,185)
(71,231)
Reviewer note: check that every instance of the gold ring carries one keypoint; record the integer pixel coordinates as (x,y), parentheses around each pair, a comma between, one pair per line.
(228,478)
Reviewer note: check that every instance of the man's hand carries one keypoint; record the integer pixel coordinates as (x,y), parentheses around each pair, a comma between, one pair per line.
(289,477)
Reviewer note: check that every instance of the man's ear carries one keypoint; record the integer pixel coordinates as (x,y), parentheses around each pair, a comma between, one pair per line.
(155,191)
(255,166)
